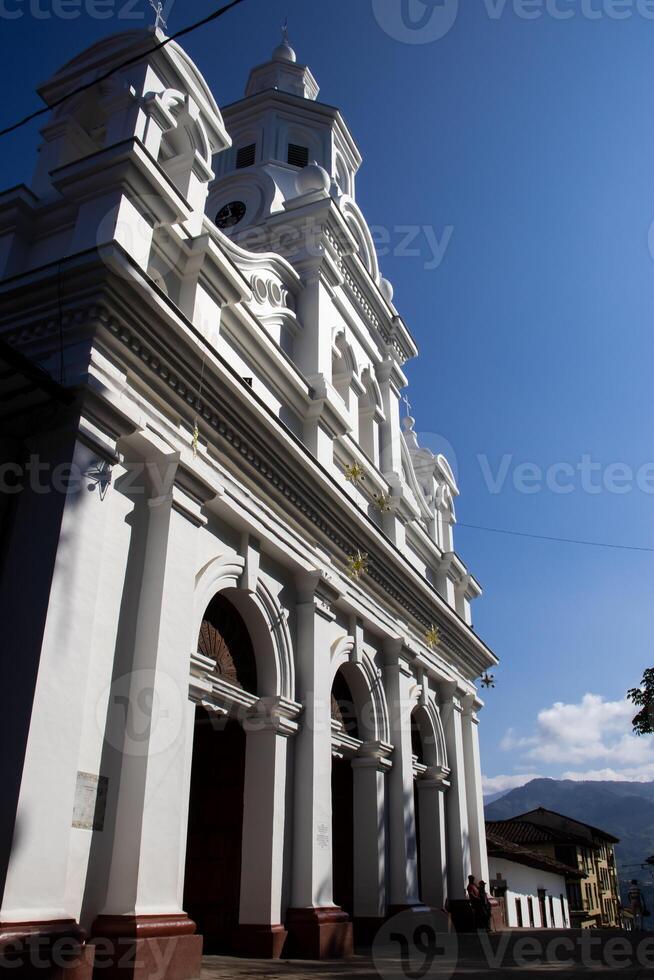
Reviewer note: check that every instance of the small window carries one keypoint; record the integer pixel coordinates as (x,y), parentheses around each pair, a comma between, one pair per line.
(298,156)
(245,156)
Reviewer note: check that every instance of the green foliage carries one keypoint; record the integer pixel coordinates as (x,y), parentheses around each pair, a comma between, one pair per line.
(643,698)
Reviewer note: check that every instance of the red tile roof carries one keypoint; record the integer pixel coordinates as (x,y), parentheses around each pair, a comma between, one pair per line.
(499,846)
(521,832)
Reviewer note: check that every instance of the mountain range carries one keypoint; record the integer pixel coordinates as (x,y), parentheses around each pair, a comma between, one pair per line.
(624,809)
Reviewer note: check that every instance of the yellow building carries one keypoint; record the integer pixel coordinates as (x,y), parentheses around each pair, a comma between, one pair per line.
(594,901)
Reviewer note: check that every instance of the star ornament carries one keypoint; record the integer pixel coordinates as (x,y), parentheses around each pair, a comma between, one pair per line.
(432,637)
(357,565)
(382,502)
(354,473)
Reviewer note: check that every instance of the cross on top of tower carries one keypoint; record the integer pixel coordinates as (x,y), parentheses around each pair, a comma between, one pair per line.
(157,6)
(284,51)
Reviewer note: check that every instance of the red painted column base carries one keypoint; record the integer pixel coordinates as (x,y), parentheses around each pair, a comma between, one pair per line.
(319,934)
(54,950)
(260,942)
(138,947)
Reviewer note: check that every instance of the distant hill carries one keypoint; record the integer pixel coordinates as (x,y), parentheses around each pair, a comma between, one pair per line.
(491,797)
(623,809)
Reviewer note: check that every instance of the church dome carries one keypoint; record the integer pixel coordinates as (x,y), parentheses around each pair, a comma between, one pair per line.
(312,178)
(284,52)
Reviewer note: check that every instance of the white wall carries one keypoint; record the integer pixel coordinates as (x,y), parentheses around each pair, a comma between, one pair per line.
(523,882)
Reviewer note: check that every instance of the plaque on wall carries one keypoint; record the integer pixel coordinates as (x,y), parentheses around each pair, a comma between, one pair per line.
(90,801)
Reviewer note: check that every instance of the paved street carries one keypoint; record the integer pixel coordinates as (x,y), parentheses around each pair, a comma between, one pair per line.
(227,968)
(511,954)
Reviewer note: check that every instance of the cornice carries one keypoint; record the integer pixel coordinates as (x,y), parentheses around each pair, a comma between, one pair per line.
(125,164)
(252,451)
(273,98)
(262,449)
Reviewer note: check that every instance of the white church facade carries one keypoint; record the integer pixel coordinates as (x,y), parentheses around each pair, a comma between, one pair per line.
(239,669)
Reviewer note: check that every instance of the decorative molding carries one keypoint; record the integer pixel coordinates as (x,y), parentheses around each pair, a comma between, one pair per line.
(274,714)
(257,459)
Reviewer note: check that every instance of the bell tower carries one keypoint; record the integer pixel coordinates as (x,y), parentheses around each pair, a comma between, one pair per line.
(278,129)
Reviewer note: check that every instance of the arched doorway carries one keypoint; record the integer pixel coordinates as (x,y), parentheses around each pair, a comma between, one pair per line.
(212,882)
(346,730)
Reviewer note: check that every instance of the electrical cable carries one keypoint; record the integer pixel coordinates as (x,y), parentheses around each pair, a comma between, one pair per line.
(548,537)
(125,64)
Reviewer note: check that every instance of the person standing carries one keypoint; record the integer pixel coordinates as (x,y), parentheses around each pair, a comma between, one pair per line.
(473,898)
(472,889)
(484,907)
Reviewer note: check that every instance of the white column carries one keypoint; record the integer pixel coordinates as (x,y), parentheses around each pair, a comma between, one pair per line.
(433,841)
(49,622)
(150,709)
(458,843)
(391,380)
(401,814)
(474,791)
(264,812)
(312,827)
(369,773)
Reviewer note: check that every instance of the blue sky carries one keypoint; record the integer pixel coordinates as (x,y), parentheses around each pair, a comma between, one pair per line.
(525,147)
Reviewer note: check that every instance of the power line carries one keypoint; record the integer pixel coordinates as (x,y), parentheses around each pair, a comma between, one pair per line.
(547,537)
(125,64)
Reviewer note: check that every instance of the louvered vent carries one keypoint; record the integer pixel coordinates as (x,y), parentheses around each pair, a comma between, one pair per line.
(298,156)
(245,156)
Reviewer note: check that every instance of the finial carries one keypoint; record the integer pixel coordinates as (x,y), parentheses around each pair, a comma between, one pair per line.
(157,6)
(284,51)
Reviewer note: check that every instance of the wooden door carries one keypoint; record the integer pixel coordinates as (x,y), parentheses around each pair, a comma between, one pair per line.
(213,854)
(343,834)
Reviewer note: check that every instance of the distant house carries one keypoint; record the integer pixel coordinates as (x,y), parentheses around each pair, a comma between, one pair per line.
(531,888)
(587,854)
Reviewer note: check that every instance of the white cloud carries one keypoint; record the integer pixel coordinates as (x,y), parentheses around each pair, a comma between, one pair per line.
(593,738)
(500,784)
(644,774)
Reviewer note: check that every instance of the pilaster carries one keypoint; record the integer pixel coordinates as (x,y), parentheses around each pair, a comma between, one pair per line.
(474,789)
(317,928)
(268,726)
(432,791)
(149,723)
(370,770)
(403,890)
(458,840)
(48,614)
